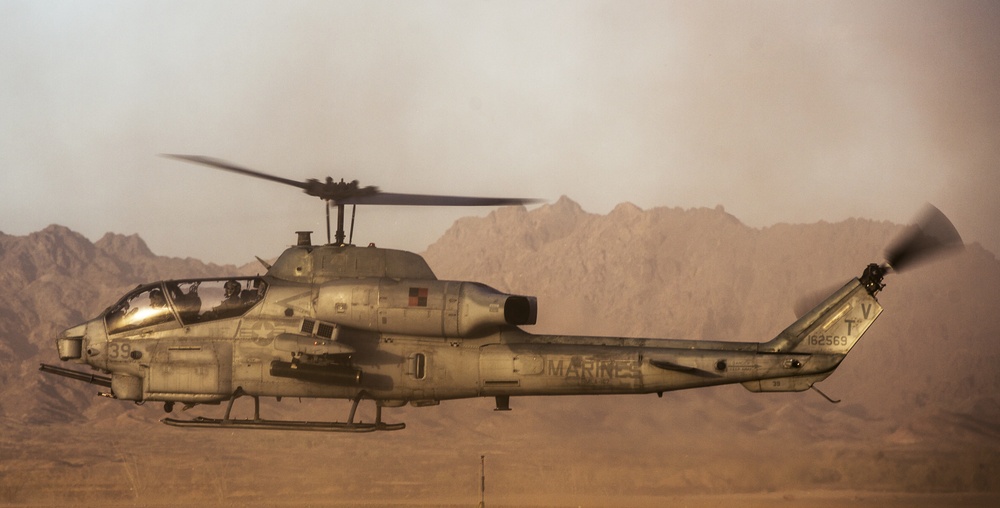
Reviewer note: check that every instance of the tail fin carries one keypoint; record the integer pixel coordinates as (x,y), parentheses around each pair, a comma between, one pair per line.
(829,330)
(832,327)
(824,335)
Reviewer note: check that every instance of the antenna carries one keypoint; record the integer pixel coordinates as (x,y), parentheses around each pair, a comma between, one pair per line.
(482,482)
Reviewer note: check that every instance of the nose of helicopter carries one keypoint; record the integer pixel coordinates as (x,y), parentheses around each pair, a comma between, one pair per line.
(69,344)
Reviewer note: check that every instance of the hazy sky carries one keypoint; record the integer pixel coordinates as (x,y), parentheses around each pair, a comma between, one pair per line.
(781,111)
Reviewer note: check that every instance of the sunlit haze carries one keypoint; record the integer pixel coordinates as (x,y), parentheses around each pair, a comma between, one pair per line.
(784,111)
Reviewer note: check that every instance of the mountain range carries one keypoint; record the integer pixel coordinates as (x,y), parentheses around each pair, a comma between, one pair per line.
(920,411)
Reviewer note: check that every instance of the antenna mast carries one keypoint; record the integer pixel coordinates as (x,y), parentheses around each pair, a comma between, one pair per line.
(482,482)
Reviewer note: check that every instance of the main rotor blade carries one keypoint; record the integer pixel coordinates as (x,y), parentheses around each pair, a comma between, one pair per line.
(390,198)
(930,235)
(221,164)
(341,193)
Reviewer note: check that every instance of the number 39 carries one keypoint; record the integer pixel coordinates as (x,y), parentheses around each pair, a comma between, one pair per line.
(116,351)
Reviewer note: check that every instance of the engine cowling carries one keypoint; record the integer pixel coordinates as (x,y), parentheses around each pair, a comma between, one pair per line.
(422,307)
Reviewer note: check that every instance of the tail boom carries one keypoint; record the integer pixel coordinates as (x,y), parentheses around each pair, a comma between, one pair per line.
(805,353)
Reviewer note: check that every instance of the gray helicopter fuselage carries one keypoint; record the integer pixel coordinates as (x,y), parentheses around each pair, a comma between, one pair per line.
(333,321)
(338,321)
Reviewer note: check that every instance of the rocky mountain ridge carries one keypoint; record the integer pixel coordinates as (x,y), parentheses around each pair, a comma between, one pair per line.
(703,274)
(920,408)
(54,278)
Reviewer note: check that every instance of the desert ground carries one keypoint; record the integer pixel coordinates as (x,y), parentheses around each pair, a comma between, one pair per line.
(917,425)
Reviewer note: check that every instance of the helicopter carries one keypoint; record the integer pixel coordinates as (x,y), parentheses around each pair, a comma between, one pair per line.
(339,321)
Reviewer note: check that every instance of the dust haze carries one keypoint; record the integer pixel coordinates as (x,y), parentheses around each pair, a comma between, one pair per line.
(784,112)
(917,425)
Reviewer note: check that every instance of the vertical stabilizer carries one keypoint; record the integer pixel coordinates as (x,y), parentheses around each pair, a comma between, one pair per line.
(832,327)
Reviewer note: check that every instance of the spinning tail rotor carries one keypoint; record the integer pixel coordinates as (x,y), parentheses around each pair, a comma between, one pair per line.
(931,235)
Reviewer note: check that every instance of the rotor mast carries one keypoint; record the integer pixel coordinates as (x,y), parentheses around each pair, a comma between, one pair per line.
(340,223)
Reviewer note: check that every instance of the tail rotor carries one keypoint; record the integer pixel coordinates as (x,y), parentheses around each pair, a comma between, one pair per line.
(931,235)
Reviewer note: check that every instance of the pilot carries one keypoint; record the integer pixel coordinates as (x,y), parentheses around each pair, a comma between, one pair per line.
(232,304)
(156,299)
(232,293)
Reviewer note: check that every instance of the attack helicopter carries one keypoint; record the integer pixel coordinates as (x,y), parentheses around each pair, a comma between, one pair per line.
(339,321)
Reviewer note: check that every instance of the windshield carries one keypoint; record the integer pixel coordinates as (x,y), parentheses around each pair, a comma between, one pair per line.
(145,306)
(193,301)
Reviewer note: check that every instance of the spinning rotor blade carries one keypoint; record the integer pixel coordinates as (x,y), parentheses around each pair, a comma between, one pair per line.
(811,300)
(349,193)
(221,164)
(930,235)
(389,198)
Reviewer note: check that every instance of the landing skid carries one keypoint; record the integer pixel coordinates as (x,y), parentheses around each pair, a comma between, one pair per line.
(300,425)
(283,425)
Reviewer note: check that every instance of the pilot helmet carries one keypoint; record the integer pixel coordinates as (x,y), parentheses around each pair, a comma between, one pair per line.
(232,287)
(156,298)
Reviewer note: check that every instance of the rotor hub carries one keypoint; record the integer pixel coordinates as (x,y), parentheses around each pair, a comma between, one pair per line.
(871,279)
(330,190)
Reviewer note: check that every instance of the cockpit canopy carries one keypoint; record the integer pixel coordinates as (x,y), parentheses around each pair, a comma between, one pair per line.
(190,301)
